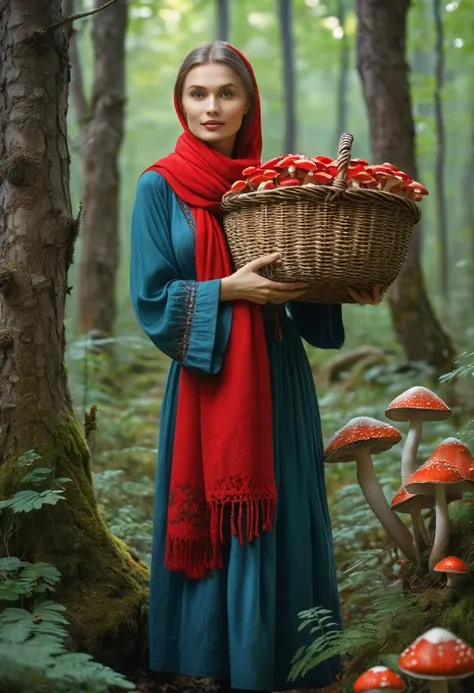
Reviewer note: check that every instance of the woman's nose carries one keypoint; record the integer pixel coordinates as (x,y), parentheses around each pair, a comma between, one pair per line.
(211,106)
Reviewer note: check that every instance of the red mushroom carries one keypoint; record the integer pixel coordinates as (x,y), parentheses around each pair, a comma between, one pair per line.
(379,679)
(449,465)
(358,440)
(438,656)
(289,181)
(452,566)
(415,405)
(238,186)
(322,178)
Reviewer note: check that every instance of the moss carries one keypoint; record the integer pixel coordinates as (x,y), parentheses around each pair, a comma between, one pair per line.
(103,586)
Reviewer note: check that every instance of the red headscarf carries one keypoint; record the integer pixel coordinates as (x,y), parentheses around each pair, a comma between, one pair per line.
(222,478)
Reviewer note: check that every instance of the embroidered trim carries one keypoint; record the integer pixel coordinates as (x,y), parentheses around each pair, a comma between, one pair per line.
(187,215)
(190,295)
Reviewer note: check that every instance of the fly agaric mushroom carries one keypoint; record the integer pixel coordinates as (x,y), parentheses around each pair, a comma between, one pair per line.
(452,566)
(413,503)
(289,181)
(358,440)
(451,464)
(379,679)
(438,656)
(415,405)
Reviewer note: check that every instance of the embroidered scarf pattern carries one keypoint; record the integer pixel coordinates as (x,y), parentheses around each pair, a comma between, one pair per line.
(222,478)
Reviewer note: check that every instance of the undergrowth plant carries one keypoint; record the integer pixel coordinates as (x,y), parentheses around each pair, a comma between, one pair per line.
(375,604)
(33,627)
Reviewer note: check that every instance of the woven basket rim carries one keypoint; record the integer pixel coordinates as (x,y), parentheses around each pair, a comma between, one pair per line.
(318,194)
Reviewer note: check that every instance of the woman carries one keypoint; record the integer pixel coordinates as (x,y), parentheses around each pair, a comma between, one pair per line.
(242,536)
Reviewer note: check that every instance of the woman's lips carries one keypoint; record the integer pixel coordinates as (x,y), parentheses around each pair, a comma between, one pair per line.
(213,126)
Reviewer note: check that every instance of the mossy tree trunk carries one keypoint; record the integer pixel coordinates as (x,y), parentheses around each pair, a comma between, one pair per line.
(103,586)
(381,58)
(103,136)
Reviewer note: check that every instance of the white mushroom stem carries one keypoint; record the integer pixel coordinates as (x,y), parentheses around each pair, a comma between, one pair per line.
(418,537)
(410,448)
(374,495)
(443,528)
(452,579)
(439,686)
(424,530)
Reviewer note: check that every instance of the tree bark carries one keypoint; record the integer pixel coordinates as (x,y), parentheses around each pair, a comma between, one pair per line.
(286,32)
(441,214)
(223,20)
(103,140)
(102,586)
(381,58)
(342,85)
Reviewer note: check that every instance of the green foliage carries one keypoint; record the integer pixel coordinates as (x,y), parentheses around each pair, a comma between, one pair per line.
(33,635)
(387,608)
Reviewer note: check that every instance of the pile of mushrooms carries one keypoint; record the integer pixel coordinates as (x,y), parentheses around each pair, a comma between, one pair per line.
(438,656)
(443,478)
(297,169)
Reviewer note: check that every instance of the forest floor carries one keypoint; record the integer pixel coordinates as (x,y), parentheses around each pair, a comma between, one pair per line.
(126,441)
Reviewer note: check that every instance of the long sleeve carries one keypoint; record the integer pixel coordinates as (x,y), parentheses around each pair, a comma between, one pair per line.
(319,324)
(181,316)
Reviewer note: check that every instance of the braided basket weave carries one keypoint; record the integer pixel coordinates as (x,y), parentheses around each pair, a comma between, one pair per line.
(329,236)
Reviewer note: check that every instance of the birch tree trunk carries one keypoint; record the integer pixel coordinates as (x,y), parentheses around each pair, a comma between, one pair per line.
(102,586)
(381,58)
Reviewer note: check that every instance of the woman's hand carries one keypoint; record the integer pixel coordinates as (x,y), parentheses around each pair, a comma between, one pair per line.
(365,298)
(246,285)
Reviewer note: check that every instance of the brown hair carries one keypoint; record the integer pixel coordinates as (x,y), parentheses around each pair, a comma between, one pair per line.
(218,52)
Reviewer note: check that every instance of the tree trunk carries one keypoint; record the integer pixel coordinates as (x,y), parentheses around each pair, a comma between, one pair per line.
(103,140)
(102,586)
(381,50)
(79,100)
(223,20)
(441,215)
(342,85)
(469,197)
(286,31)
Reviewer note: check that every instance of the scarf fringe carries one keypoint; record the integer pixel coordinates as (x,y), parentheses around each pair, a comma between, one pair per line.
(198,557)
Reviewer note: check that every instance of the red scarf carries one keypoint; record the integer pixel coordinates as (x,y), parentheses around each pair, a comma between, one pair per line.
(222,478)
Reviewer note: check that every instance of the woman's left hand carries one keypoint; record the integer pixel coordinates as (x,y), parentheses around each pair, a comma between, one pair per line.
(364,298)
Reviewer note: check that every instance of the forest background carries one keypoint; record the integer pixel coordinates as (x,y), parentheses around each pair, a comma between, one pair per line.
(309,57)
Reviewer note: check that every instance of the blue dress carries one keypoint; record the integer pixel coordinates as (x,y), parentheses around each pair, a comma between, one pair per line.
(241,622)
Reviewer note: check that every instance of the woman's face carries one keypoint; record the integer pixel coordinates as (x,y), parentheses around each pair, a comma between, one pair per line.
(214,102)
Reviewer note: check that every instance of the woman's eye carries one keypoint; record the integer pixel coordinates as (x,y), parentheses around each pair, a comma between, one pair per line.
(227,94)
(197,95)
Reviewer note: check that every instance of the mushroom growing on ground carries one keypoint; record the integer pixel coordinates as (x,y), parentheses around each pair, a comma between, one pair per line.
(414,503)
(438,656)
(379,679)
(415,405)
(452,566)
(451,464)
(358,440)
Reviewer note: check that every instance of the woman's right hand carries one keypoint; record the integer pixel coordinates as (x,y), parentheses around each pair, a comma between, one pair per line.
(247,285)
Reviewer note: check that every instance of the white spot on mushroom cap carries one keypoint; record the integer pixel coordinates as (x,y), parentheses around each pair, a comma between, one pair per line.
(379,669)
(438,635)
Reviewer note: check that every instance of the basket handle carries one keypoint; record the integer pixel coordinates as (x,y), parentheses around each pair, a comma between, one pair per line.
(343,159)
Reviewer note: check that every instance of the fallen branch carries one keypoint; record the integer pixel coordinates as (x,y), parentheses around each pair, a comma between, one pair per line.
(343,362)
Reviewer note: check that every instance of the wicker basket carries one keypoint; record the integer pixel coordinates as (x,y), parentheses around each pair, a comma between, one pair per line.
(329,236)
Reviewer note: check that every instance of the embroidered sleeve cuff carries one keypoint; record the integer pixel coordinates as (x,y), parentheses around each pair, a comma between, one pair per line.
(206,327)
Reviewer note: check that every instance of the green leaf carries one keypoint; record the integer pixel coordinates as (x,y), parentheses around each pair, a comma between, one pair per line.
(37,476)
(27,459)
(26,501)
(11,564)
